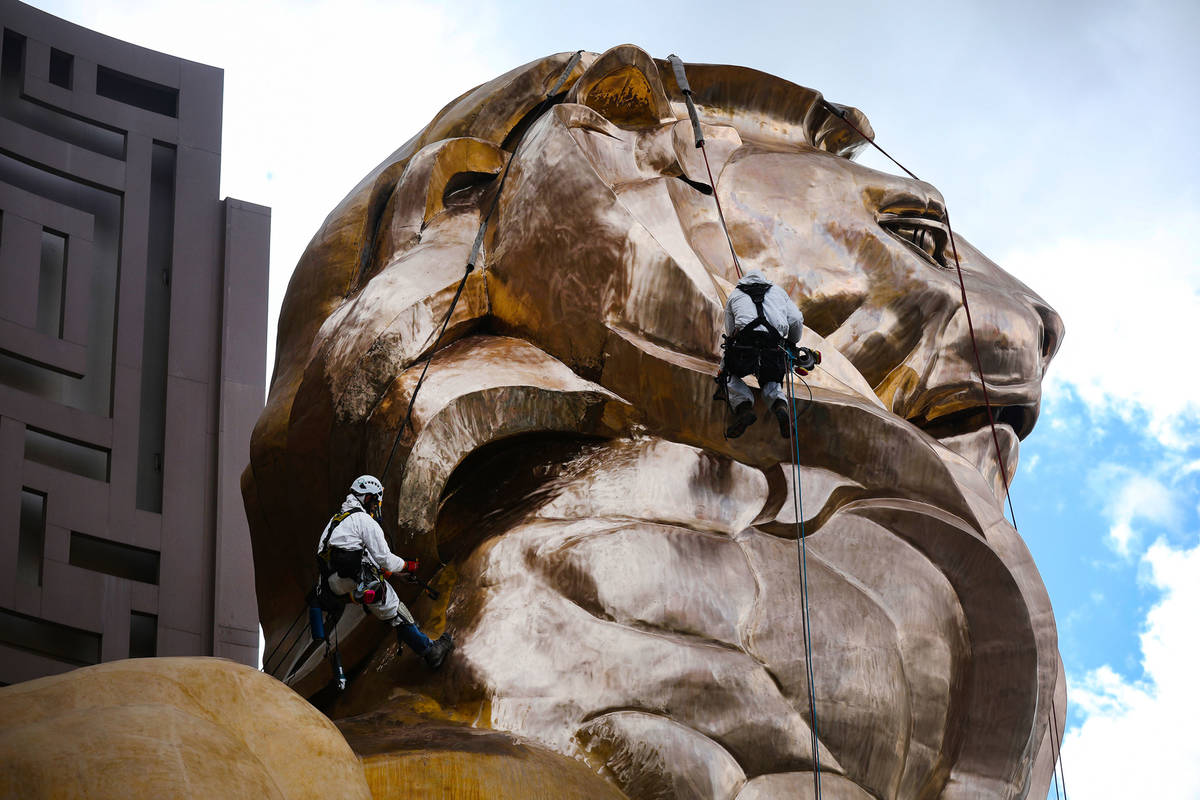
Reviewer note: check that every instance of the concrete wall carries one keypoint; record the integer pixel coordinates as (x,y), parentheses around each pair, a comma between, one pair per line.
(132,356)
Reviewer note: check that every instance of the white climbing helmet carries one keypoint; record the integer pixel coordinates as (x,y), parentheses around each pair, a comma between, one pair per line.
(367,484)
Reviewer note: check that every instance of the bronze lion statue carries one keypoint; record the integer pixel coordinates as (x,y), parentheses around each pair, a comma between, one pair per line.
(622,581)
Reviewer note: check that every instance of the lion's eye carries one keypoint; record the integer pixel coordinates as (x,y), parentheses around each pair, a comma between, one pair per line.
(928,237)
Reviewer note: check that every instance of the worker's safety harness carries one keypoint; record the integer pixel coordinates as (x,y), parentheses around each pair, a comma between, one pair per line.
(346,563)
(759,349)
(338,560)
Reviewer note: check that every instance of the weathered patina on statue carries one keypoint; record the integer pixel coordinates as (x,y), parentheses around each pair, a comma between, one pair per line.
(621,579)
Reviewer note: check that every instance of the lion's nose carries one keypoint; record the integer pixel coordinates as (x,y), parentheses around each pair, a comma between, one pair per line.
(1052,330)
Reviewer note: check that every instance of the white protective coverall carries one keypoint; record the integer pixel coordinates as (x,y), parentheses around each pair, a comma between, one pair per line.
(781,314)
(360,532)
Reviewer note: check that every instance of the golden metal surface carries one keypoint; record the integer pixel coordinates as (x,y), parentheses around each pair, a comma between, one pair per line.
(152,728)
(622,581)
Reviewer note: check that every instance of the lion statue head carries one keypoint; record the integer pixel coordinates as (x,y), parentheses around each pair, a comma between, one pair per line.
(625,583)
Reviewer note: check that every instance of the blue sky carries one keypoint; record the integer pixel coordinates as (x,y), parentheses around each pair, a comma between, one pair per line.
(1082,476)
(1062,136)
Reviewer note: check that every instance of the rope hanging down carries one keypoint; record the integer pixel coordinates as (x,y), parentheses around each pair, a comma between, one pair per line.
(1057,796)
(538,110)
(1056,739)
(840,112)
(797,502)
(802,554)
(267,658)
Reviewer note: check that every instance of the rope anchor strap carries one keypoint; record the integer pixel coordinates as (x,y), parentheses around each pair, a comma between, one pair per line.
(681,79)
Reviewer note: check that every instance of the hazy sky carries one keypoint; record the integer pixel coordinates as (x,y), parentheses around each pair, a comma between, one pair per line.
(1063,138)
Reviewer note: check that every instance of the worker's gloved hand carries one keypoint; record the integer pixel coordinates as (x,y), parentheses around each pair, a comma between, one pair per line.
(412,566)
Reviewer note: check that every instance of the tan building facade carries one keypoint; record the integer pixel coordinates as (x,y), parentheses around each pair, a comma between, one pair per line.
(132,356)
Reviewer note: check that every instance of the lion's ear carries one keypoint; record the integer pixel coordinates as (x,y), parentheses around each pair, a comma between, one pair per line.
(440,170)
(623,85)
(432,180)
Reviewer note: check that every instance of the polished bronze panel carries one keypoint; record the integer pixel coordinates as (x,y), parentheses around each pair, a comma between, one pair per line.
(622,580)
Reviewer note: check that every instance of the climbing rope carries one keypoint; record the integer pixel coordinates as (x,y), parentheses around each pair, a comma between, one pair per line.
(797,500)
(802,555)
(433,350)
(809,404)
(1055,778)
(282,639)
(840,112)
(1055,739)
(291,649)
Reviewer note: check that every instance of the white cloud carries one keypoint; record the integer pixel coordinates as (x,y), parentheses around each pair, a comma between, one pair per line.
(1135,739)
(1128,498)
(1131,303)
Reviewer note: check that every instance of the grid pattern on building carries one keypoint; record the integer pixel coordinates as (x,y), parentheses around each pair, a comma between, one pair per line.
(132,351)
